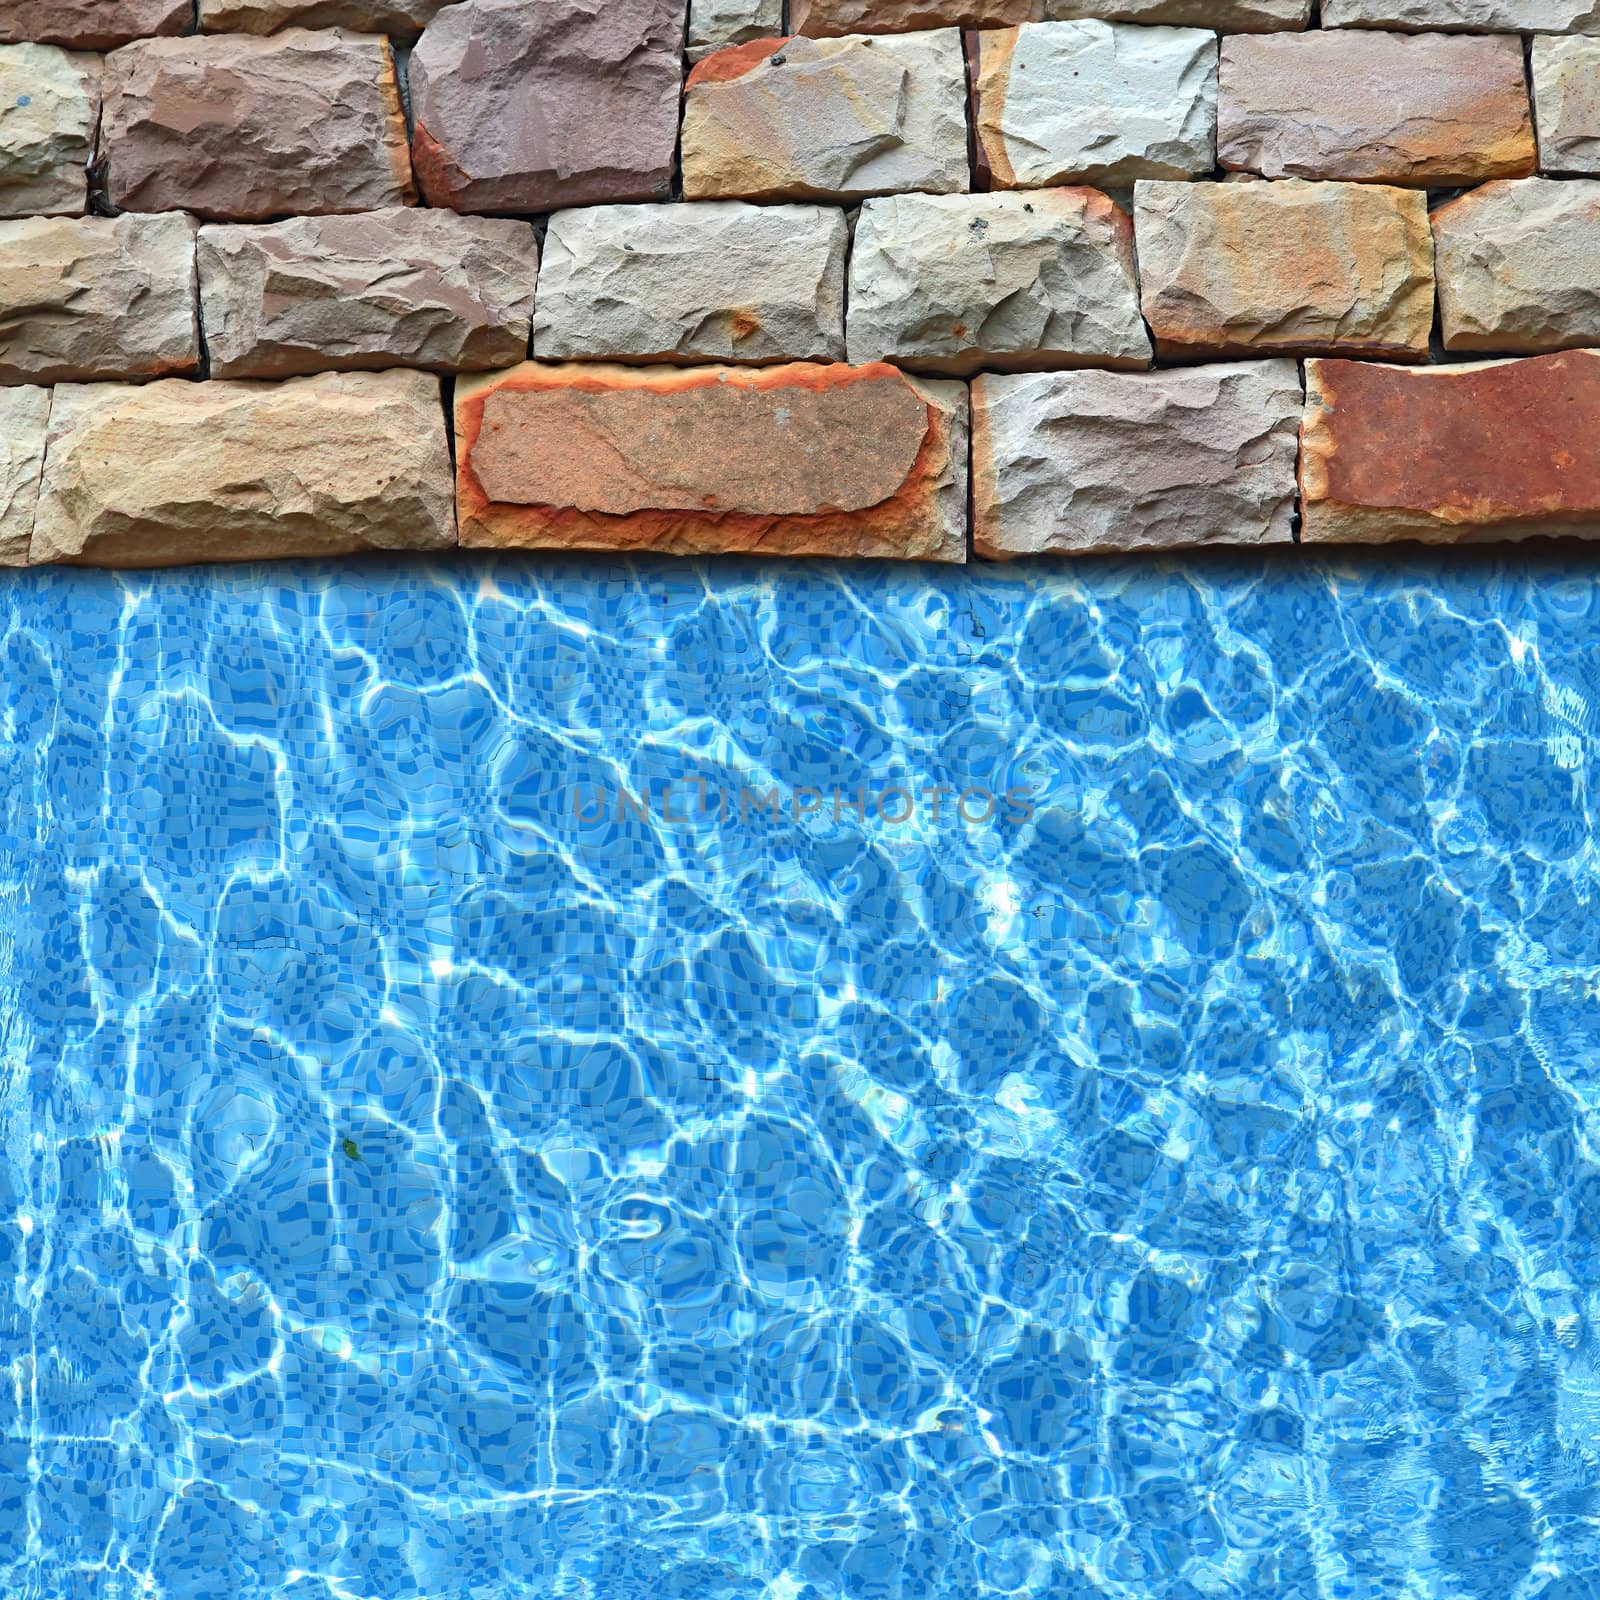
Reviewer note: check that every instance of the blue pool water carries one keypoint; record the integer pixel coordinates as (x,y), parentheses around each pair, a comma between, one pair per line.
(431,1166)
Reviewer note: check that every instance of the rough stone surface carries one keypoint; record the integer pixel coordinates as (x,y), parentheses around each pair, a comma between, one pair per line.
(1419,109)
(395,288)
(530,105)
(175,472)
(1483,16)
(91,24)
(237,128)
(823,18)
(791,460)
(1518,265)
(952,283)
(400,19)
(1451,454)
(1226,16)
(23,415)
(716,281)
(1288,268)
(830,19)
(716,24)
(49,106)
(1082,461)
(1566,94)
(1095,102)
(817,119)
(85,298)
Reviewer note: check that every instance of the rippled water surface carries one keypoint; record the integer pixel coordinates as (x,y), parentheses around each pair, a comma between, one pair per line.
(432,1166)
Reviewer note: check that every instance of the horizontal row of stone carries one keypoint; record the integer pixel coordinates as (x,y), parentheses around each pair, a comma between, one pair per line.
(310,121)
(822,18)
(1049,103)
(92,298)
(105,24)
(800,459)
(101,24)
(940,284)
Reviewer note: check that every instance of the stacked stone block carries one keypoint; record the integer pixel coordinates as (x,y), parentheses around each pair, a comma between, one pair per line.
(827,119)
(798,459)
(530,105)
(221,471)
(1566,101)
(93,24)
(106,297)
(240,129)
(960,283)
(1426,110)
(1095,102)
(1235,269)
(1074,461)
(372,290)
(1453,453)
(49,112)
(716,24)
(908,279)
(719,281)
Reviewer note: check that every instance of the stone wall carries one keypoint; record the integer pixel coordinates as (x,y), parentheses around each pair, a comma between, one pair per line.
(919,279)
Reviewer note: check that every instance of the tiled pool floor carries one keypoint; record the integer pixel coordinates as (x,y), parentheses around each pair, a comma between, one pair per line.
(425,1175)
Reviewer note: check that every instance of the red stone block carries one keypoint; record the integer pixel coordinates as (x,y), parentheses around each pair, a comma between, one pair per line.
(791,460)
(1451,455)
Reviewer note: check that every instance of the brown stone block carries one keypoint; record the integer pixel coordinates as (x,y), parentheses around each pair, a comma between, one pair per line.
(400,19)
(1451,455)
(1425,110)
(531,105)
(406,287)
(236,128)
(1222,16)
(91,24)
(791,460)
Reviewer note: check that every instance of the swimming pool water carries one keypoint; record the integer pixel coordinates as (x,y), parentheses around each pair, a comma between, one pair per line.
(434,1167)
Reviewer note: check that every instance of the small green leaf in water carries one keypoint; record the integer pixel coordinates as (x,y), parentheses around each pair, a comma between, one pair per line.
(351,1149)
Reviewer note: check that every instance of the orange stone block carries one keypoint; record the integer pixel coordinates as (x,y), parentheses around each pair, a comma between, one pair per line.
(1285,268)
(1453,454)
(792,460)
